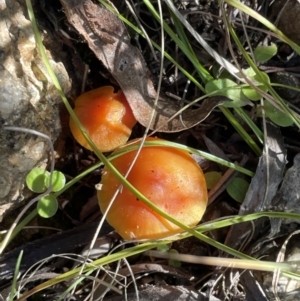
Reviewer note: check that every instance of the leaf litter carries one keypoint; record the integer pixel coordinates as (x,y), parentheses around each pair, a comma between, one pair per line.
(109,40)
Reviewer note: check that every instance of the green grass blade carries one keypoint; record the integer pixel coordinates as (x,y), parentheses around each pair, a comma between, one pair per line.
(16,273)
(239,128)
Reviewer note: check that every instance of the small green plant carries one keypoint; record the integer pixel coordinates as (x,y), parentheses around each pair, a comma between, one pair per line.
(264,53)
(35,180)
(277,116)
(39,180)
(212,178)
(237,189)
(171,262)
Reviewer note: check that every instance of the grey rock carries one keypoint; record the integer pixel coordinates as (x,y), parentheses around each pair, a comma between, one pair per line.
(28,99)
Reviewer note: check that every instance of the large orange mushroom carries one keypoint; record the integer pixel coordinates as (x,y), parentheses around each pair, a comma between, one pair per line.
(106,116)
(168,177)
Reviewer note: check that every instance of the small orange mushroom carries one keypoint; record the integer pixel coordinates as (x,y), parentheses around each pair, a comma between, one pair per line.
(168,177)
(106,116)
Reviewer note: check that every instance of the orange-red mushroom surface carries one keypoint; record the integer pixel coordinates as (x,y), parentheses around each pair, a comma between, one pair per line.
(168,177)
(106,116)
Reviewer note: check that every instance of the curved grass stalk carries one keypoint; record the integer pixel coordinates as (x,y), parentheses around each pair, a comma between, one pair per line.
(16,274)
(130,147)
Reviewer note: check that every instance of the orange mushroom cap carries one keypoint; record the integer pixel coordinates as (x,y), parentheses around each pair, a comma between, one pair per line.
(168,177)
(106,116)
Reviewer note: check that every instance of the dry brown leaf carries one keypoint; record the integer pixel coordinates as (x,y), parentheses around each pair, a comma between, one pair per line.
(290,189)
(263,186)
(108,38)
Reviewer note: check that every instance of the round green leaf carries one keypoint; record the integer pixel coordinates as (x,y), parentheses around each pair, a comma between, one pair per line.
(35,180)
(264,53)
(58,180)
(252,93)
(212,178)
(229,89)
(260,79)
(172,262)
(163,248)
(278,117)
(47,206)
(237,189)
